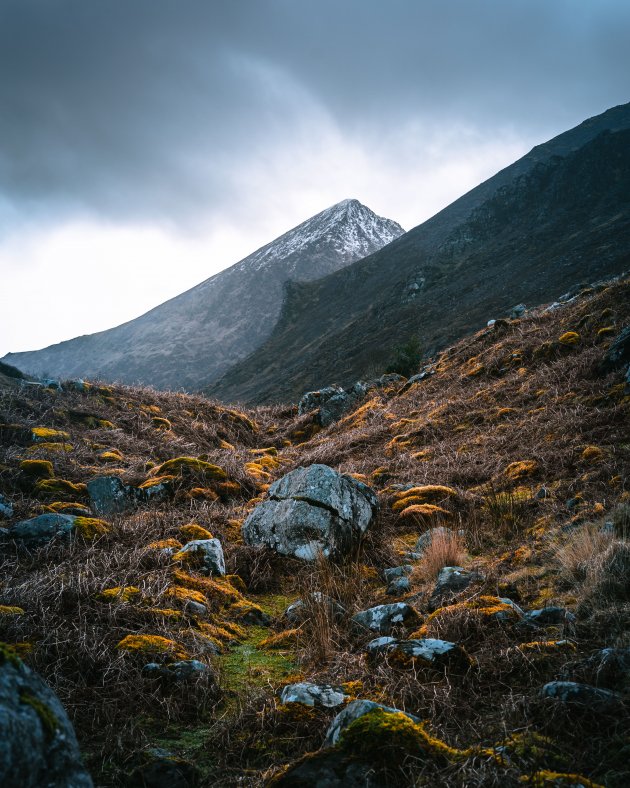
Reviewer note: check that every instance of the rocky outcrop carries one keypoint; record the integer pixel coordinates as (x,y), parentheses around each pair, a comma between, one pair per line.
(311,511)
(385,618)
(332,402)
(38,746)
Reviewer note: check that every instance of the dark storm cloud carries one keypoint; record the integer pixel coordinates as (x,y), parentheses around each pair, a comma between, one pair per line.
(148,109)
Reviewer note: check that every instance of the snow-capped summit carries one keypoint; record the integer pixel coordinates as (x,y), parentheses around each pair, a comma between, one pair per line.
(191,340)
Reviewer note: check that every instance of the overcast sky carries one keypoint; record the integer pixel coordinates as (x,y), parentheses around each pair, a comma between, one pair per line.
(147,144)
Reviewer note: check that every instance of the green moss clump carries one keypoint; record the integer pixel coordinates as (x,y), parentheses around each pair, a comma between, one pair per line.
(48,434)
(47,718)
(190,465)
(91,527)
(60,487)
(50,446)
(11,610)
(8,654)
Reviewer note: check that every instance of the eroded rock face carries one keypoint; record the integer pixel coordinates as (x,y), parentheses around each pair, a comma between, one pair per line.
(38,746)
(311,511)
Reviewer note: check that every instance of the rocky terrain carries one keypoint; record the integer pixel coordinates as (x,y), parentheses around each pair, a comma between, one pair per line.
(556,217)
(189,341)
(405,582)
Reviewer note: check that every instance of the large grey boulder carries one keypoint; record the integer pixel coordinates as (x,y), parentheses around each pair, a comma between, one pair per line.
(41,530)
(385,618)
(320,695)
(210,554)
(310,511)
(38,746)
(353,711)
(331,404)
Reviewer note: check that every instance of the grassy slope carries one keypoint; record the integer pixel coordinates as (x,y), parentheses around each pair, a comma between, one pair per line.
(497,397)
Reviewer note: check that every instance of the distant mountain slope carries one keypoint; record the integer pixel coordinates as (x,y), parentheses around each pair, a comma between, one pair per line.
(192,339)
(558,216)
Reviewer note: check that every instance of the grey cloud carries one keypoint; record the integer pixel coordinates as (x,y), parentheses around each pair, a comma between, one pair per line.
(147,109)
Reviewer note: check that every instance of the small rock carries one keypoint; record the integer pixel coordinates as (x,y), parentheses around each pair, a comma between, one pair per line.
(210,553)
(397,571)
(380,645)
(297,612)
(618,354)
(195,608)
(38,746)
(542,493)
(6,507)
(352,712)
(517,311)
(593,698)
(451,580)
(159,768)
(110,495)
(398,586)
(51,383)
(607,667)
(320,695)
(384,618)
(549,616)
(43,529)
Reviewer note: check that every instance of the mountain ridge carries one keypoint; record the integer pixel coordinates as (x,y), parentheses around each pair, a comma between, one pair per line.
(187,341)
(558,215)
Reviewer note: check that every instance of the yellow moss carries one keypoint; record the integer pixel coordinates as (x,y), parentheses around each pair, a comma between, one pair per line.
(236,582)
(161,423)
(201,493)
(165,544)
(545,646)
(236,417)
(242,607)
(592,454)
(154,482)
(60,486)
(190,465)
(545,778)
(186,595)
(11,610)
(152,644)
(607,331)
(424,511)
(91,527)
(219,589)
(164,612)
(569,338)
(113,455)
(65,506)
(54,447)
(48,434)
(271,450)
(286,639)
(228,489)
(41,468)
(194,531)
(423,456)
(119,594)
(220,633)
(517,470)
(425,494)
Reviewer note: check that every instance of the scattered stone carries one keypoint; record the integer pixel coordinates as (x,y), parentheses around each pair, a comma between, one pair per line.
(425,373)
(38,746)
(297,612)
(380,645)
(607,667)
(430,651)
(320,695)
(184,670)
(311,511)
(385,618)
(451,580)
(6,507)
(110,495)
(517,311)
(549,616)
(210,553)
(43,529)
(618,354)
(426,539)
(397,571)
(158,768)
(352,712)
(398,586)
(195,608)
(592,698)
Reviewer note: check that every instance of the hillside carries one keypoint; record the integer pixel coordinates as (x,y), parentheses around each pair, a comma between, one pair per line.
(557,217)
(189,341)
(517,445)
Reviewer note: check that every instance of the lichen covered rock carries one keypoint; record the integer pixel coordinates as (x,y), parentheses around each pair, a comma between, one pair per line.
(38,746)
(207,553)
(385,618)
(311,511)
(321,695)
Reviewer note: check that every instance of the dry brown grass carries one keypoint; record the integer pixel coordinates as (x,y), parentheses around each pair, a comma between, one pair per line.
(446,548)
(579,553)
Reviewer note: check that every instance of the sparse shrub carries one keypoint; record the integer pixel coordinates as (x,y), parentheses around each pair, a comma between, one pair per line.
(445,549)
(577,554)
(406,358)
